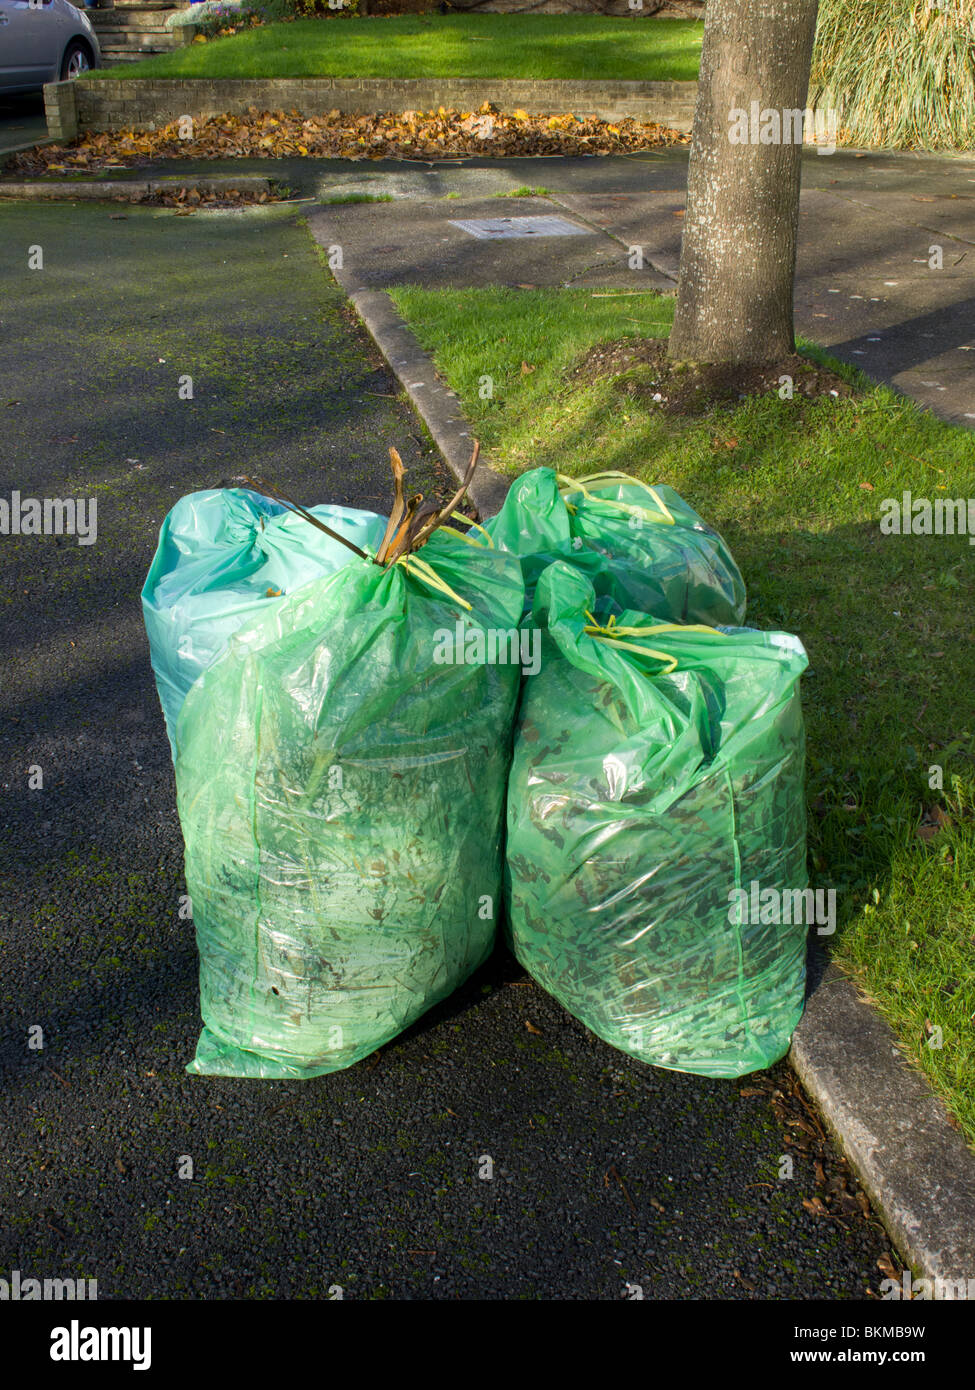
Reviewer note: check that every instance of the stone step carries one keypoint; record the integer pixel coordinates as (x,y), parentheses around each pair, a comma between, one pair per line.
(112,29)
(149,45)
(110,23)
(137,6)
(132,55)
(162,38)
(119,55)
(110,60)
(126,38)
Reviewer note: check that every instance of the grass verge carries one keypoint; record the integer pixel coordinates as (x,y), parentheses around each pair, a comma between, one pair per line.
(525,46)
(795,487)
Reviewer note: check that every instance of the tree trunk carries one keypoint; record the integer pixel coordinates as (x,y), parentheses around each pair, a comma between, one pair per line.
(738,259)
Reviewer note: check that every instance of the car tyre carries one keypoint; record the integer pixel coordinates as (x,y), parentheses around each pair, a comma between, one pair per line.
(76,60)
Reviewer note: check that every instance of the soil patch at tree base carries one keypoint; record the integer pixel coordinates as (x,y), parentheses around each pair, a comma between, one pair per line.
(642,371)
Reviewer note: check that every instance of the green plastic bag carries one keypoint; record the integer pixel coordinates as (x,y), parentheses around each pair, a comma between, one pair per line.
(223,557)
(642,546)
(341,789)
(657,778)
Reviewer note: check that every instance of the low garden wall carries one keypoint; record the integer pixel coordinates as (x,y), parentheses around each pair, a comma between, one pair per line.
(109,104)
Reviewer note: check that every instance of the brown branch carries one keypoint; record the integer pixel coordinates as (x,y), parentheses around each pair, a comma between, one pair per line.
(270,490)
(401,539)
(396,515)
(454,502)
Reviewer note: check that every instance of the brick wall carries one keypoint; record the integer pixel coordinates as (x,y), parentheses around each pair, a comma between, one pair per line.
(60,110)
(111,104)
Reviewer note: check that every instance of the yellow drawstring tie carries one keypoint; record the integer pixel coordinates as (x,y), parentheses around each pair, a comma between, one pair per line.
(421,570)
(475,525)
(611,632)
(567,484)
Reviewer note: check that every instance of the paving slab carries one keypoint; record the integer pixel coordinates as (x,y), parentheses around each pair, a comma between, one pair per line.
(385,244)
(889,171)
(867,290)
(650,222)
(866,283)
(945,214)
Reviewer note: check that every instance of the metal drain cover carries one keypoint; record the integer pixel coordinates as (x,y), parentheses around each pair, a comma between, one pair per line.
(506,228)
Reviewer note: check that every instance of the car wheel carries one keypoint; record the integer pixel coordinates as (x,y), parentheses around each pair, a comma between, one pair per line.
(76,60)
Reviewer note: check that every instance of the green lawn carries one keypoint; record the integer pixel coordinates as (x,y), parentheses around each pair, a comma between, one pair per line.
(886,619)
(542,46)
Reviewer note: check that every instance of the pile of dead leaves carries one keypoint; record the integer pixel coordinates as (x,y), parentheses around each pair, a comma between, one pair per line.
(189,198)
(410,135)
(186,200)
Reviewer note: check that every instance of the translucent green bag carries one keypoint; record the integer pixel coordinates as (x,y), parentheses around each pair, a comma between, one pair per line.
(224,555)
(642,546)
(341,790)
(658,776)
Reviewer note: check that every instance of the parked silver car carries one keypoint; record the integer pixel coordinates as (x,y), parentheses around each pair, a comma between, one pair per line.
(42,41)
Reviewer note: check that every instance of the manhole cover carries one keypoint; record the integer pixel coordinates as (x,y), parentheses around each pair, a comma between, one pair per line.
(505,228)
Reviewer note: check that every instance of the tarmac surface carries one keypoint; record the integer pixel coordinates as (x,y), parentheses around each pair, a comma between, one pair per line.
(606,1173)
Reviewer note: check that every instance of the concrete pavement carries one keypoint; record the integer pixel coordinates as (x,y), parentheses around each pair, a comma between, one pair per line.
(886,267)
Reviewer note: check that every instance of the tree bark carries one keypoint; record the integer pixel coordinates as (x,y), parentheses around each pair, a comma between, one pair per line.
(738,259)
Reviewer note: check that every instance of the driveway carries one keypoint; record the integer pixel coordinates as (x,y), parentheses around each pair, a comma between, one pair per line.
(22,120)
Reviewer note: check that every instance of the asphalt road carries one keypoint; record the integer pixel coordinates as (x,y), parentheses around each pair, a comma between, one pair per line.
(606,1172)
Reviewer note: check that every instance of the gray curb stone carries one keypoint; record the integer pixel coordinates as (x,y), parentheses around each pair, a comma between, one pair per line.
(895,1131)
(435,403)
(75,189)
(41,190)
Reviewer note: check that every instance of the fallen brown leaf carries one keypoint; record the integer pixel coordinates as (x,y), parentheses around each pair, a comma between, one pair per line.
(384,135)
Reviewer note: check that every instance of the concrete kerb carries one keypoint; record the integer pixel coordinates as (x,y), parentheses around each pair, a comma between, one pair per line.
(895,1132)
(71,191)
(68,190)
(435,403)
